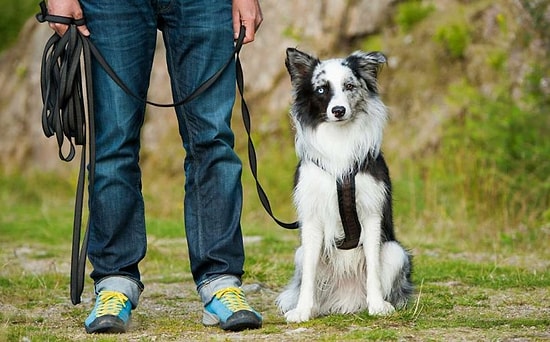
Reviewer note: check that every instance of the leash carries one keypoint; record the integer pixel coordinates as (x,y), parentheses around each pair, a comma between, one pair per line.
(64,115)
(252,152)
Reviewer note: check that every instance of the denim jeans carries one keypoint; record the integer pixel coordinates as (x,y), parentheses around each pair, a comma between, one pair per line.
(198,36)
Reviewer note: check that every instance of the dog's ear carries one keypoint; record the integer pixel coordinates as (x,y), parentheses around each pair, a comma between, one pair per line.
(367,64)
(299,64)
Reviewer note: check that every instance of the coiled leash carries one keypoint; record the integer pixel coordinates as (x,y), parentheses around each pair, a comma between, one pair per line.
(64,115)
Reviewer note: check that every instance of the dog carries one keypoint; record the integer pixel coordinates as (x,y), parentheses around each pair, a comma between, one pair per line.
(339,119)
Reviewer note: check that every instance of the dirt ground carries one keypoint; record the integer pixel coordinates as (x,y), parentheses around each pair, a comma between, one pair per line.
(171,311)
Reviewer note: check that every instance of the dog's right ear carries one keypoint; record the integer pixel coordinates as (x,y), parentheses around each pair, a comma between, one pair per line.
(299,64)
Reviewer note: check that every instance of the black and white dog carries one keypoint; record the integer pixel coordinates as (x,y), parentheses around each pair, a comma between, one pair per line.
(339,121)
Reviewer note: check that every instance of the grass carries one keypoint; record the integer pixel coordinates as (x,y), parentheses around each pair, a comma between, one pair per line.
(485,292)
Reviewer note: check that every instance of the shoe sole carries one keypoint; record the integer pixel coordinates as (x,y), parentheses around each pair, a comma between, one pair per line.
(242,320)
(106,325)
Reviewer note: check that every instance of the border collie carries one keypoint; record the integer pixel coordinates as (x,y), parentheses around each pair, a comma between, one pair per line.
(339,120)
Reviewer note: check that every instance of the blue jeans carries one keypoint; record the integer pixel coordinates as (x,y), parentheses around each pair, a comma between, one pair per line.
(198,36)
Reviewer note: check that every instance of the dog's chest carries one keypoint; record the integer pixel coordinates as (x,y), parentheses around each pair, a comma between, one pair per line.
(317,200)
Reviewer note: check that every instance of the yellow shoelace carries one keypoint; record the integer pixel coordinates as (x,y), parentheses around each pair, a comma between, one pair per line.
(233,298)
(110,303)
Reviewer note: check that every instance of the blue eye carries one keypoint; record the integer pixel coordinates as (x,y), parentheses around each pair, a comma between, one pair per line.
(320,90)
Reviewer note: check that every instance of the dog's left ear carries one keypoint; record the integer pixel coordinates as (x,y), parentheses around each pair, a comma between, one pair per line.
(367,64)
(299,65)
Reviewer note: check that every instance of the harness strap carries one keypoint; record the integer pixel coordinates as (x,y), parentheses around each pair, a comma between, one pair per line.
(348,212)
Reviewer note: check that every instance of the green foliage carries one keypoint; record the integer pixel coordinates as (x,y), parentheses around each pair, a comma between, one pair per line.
(373,43)
(292,33)
(487,173)
(505,140)
(410,13)
(454,38)
(12,17)
(538,11)
(497,60)
(47,197)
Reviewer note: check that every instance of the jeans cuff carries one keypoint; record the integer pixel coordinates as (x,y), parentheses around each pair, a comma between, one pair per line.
(128,286)
(210,286)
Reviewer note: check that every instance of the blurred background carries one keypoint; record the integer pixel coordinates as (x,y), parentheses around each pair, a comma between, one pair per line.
(467,86)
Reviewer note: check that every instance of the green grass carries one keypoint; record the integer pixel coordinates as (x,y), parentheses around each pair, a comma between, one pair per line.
(486,292)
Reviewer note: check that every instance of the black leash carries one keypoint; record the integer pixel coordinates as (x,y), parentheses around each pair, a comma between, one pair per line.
(252,152)
(64,115)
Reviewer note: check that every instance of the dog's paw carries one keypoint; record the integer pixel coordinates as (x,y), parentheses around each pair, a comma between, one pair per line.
(297,316)
(381,308)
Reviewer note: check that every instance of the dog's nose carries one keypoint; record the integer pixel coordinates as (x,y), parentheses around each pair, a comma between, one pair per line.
(338,111)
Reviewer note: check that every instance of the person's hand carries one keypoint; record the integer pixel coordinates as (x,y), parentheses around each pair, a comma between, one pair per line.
(248,14)
(66,8)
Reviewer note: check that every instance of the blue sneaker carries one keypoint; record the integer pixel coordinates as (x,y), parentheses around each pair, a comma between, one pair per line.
(111,313)
(229,309)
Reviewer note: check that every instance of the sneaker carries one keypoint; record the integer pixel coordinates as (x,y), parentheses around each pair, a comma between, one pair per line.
(111,313)
(229,309)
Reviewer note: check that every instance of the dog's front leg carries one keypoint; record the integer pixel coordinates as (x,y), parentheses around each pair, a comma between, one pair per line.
(375,299)
(312,241)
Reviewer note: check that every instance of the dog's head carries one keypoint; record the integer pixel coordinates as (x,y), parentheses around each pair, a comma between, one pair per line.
(333,90)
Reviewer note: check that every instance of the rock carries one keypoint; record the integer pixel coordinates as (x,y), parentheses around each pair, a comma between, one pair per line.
(318,27)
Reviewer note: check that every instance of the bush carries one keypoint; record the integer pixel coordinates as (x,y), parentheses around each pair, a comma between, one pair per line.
(501,150)
(410,13)
(12,17)
(454,39)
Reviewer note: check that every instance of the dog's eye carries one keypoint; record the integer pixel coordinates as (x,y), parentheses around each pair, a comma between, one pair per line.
(320,90)
(349,86)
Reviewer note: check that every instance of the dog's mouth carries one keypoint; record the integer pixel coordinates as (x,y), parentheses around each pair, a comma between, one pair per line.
(331,118)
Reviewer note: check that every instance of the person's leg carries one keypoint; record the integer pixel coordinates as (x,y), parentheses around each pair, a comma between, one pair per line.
(125,34)
(199,39)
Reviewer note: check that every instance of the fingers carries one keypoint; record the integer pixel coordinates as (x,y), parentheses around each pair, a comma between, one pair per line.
(69,9)
(61,29)
(84,30)
(248,14)
(250,30)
